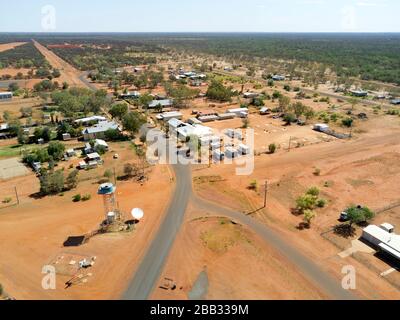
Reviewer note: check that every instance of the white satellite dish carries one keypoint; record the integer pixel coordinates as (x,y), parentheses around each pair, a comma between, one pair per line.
(137,214)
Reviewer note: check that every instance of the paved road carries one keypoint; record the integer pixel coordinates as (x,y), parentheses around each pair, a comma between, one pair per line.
(307,267)
(151,267)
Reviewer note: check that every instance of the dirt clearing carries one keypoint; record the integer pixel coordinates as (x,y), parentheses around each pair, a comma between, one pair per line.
(9,46)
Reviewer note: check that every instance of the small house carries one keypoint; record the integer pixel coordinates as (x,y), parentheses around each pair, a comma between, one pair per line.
(226,116)
(234,134)
(90,120)
(174,124)
(66,136)
(218,155)
(239,112)
(98,131)
(70,153)
(321,127)
(278,77)
(166,103)
(243,149)
(209,118)
(231,153)
(166,116)
(194,121)
(93,157)
(130,95)
(250,95)
(101,143)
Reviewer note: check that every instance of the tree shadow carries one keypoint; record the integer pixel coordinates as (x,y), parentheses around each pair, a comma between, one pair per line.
(296,212)
(344,230)
(37,196)
(303,226)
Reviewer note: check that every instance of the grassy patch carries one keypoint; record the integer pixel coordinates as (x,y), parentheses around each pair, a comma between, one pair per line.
(13,151)
(223,236)
(207,179)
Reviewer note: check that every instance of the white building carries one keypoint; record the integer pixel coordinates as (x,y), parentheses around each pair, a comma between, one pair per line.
(100,143)
(166,116)
(250,95)
(239,112)
(98,131)
(90,120)
(6,95)
(278,77)
(383,238)
(321,127)
(199,131)
(166,103)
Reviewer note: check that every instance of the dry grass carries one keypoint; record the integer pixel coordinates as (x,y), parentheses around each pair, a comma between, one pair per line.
(222,236)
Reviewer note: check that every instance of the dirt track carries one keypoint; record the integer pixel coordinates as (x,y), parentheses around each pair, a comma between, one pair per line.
(68,73)
(8,46)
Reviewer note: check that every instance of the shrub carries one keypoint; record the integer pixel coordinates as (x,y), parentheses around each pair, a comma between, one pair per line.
(314,191)
(253,185)
(348,122)
(306,202)
(86,197)
(321,203)
(317,172)
(76,198)
(108,174)
(7,200)
(272,148)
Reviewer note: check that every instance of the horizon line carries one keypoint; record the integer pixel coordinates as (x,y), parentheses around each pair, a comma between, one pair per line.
(202,32)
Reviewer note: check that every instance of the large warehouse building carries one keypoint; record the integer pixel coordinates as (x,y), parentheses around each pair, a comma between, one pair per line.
(383,238)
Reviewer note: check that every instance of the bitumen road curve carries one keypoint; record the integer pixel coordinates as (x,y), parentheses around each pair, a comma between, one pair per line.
(150,269)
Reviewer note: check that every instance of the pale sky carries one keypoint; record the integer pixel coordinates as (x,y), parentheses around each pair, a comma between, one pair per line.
(200,16)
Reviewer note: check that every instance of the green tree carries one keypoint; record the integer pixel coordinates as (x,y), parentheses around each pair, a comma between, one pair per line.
(56,150)
(359,214)
(217,91)
(132,121)
(289,118)
(298,109)
(13,87)
(284,103)
(348,122)
(72,180)
(119,110)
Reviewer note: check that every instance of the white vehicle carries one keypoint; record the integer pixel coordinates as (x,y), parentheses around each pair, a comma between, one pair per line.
(264,111)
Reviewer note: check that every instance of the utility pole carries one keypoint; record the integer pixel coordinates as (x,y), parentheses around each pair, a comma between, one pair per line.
(115,177)
(16,195)
(265,193)
(290,143)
